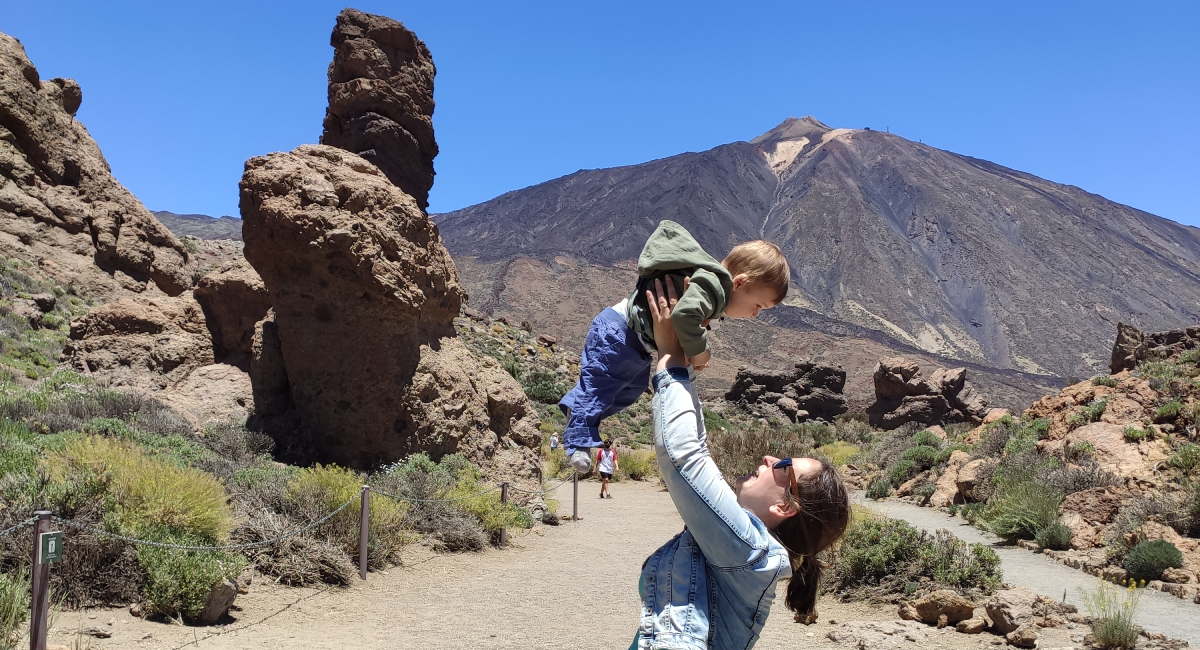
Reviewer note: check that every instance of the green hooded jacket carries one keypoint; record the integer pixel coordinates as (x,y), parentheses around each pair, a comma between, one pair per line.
(671,250)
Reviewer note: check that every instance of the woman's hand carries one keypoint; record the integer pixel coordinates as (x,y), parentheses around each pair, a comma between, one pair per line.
(670,352)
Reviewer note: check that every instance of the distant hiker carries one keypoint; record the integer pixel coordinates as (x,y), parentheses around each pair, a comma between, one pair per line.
(615,364)
(712,585)
(553,441)
(607,465)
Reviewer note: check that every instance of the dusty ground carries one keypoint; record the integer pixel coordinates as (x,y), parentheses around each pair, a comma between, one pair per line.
(569,586)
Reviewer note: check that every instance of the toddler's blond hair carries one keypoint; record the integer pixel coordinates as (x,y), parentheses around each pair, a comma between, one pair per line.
(763,263)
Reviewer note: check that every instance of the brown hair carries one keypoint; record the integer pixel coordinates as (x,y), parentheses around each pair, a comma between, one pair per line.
(823,517)
(762,262)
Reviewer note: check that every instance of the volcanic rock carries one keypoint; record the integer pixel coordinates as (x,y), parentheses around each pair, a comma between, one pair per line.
(1134,346)
(808,390)
(1009,609)
(364,296)
(381,99)
(932,606)
(60,206)
(142,343)
(903,396)
(234,300)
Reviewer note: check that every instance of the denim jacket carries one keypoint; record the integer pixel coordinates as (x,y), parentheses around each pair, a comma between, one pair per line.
(713,584)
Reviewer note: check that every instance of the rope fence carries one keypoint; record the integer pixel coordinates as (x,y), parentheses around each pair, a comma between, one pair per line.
(47,544)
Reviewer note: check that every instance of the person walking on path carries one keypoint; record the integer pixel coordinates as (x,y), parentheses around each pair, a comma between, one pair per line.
(713,584)
(607,464)
(553,441)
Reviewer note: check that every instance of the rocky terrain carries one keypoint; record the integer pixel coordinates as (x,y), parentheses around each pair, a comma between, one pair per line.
(941,253)
(902,396)
(60,207)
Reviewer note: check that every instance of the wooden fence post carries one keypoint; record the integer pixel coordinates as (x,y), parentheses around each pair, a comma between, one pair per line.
(39,604)
(503,501)
(575,500)
(364,531)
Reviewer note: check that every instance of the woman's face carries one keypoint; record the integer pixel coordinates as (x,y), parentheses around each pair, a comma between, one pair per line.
(768,487)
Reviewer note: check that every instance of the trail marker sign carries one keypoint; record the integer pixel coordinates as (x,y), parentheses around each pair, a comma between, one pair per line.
(50,547)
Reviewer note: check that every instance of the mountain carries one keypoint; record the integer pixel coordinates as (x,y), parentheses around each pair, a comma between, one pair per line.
(893,241)
(201,225)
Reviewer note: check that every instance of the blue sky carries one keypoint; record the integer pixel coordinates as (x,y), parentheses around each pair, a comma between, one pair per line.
(1102,95)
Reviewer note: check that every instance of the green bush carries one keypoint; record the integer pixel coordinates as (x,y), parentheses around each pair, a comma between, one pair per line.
(952,510)
(901,471)
(1134,434)
(316,491)
(1112,610)
(178,582)
(927,438)
(879,489)
(1088,414)
(923,457)
(544,386)
(1186,457)
(1149,559)
(14,608)
(926,491)
(1104,380)
(1169,411)
(1020,510)
(886,554)
(1056,536)
(638,464)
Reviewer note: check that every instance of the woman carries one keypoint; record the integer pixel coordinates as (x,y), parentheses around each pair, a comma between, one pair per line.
(712,586)
(607,464)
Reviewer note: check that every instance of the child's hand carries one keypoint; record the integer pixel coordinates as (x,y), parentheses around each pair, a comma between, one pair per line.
(700,361)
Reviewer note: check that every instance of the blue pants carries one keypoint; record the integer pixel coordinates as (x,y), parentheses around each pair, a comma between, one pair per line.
(614,370)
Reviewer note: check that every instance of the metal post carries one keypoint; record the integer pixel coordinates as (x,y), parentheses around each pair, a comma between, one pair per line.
(40,603)
(575,500)
(364,531)
(503,501)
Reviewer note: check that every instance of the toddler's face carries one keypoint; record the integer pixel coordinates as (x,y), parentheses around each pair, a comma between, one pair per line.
(748,299)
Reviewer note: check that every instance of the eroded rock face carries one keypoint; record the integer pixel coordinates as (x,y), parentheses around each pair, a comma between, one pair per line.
(804,392)
(60,206)
(1134,346)
(903,396)
(234,299)
(364,296)
(381,99)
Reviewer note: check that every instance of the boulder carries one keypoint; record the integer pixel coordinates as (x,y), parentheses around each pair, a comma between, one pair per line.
(1177,576)
(808,388)
(950,604)
(234,299)
(971,626)
(60,206)
(946,489)
(903,396)
(1024,636)
(1112,451)
(381,100)
(220,599)
(970,474)
(364,296)
(1009,609)
(141,343)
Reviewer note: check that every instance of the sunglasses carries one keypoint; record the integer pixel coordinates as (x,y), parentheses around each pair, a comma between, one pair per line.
(791,472)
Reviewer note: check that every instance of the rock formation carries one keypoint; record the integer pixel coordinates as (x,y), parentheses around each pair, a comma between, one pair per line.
(902,396)
(60,206)
(806,391)
(234,300)
(381,99)
(364,296)
(1134,346)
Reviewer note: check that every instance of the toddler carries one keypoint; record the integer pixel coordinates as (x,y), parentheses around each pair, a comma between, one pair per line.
(615,366)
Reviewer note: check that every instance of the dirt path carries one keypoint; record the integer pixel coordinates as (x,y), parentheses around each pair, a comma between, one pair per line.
(571,586)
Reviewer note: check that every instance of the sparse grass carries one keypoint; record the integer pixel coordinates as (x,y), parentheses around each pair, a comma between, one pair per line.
(1020,510)
(637,464)
(1112,610)
(14,607)
(839,452)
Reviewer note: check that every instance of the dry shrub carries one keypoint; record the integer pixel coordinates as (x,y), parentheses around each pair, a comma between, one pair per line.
(739,452)
(299,560)
(316,491)
(637,464)
(429,485)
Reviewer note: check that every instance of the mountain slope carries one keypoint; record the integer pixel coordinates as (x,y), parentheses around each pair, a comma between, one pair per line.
(201,225)
(946,253)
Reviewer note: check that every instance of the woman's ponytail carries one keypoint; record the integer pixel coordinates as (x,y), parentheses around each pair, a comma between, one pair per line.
(823,516)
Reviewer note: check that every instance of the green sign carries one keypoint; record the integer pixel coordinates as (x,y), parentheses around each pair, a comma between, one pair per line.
(50,545)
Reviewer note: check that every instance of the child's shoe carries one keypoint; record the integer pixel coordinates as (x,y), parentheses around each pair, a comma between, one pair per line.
(581,460)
